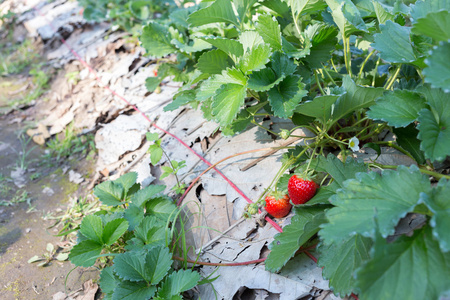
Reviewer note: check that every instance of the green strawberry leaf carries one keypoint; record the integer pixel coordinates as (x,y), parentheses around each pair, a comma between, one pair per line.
(270,31)
(179,99)
(219,11)
(250,40)
(214,62)
(399,52)
(278,7)
(243,8)
(134,215)
(264,80)
(141,197)
(422,8)
(434,25)
(109,193)
(323,43)
(285,97)
(85,253)
(347,17)
(156,40)
(178,282)
(239,124)
(319,108)
(151,231)
(438,71)
(108,281)
(300,7)
(303,226)
(282,65)
(355,98)
(227,102)
(210,87)
(389,196)
(196,45)
(127,181)
(409,268)
(340,261)
(92,228)
(255,59)
(131,266)
(114,230)
(231,47)
(434,124)
(398,108)
(382,14)
(127,290)
(407,139)
(161,207)
(437,202)
(157,263)
(338,171)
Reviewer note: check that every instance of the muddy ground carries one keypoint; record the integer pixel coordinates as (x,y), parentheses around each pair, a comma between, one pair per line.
(27,213)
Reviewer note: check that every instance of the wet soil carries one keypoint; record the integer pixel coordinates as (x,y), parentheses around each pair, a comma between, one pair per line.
(25,226)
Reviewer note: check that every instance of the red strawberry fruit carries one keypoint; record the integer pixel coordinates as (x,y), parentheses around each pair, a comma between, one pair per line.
(301,190)
(278,205)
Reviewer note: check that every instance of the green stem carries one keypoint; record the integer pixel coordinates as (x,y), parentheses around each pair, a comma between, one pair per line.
(392,145)
(361,120)
(333,139)
(392,80)
(318,82)
(171,165)
(267,129)
(295,18)
(375,132)
(334,67)
(364,63)
(310,159)
(328,74)
(347,55)
(421,169)
(253,95)
(376,72)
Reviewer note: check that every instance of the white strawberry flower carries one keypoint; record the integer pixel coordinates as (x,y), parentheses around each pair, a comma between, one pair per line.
(353,143)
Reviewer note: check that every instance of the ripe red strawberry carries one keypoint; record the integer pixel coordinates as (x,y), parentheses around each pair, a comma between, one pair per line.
(155,72)
(278,205)
(301,190)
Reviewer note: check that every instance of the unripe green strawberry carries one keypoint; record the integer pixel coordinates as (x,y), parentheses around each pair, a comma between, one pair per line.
(278,205)
(301,190)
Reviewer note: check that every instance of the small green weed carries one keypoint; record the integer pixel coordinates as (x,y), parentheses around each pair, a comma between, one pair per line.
(17,58)
(20,197)
(23,155)
(73,78)
(4,187)
(156,153)
(35,176)
(48,256)
(76,211)
(70,144)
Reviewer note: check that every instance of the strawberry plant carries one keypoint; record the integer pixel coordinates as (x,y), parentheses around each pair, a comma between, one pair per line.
(134,239)
(347,71)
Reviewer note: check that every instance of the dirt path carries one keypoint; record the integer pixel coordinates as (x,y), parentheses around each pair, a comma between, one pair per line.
(25,216)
